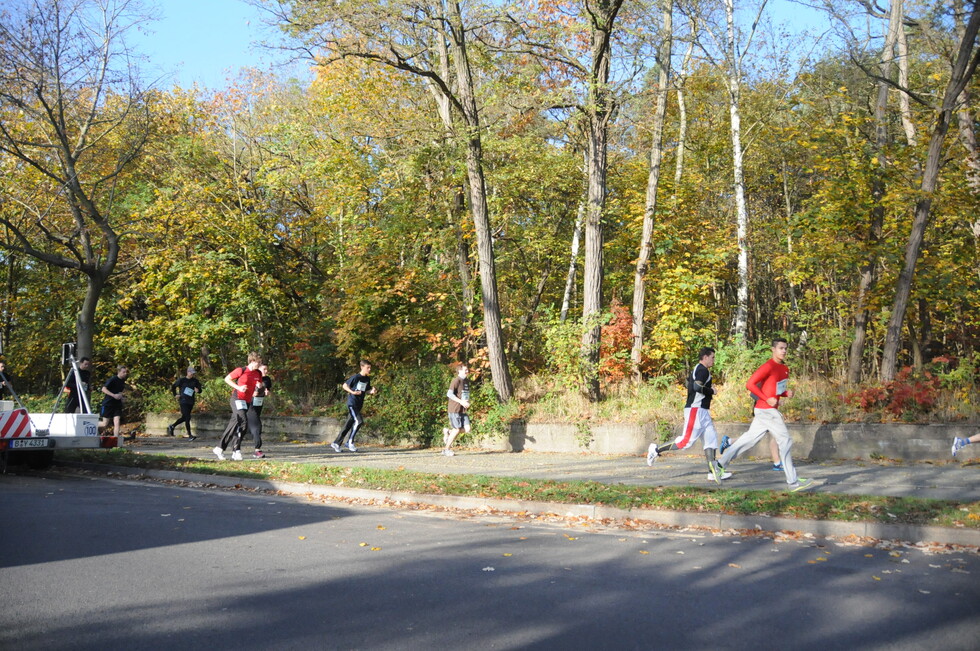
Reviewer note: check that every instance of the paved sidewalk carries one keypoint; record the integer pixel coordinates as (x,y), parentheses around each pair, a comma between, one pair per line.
(942,480)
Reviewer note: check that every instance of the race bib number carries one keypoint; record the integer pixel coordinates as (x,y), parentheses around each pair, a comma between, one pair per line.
(241,405)
(189,391)
(466,396)
(257,401)
(781,387)
(361,386)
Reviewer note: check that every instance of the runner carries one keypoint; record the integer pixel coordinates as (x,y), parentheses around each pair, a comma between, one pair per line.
(356,386)
(243,381)
(112,403)
(459,402)
(768,384)
(186,390)
(960,443)
(697,418)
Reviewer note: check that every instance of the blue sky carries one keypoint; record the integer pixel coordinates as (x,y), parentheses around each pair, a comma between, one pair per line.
(204,42)
(208,41)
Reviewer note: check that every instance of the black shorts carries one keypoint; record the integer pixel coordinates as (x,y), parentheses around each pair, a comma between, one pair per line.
(111,410)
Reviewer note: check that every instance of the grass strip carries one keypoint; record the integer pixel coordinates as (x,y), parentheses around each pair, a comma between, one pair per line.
(815,506)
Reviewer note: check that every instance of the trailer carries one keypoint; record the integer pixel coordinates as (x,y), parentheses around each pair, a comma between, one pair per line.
(34,438)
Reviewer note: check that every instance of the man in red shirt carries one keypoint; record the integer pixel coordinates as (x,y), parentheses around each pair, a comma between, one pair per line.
(243,381)
(767,385)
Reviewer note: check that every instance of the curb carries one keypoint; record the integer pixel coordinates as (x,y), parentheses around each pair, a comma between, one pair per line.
(722,521)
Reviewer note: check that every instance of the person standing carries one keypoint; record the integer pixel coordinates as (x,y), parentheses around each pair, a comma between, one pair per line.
(767,385)
(72,390)
(243,381)
(459,401)
(697,418)
(186,390)
(5,382)
(357,386)
(112,403)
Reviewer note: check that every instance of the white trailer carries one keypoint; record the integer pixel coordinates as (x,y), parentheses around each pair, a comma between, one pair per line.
(39,435)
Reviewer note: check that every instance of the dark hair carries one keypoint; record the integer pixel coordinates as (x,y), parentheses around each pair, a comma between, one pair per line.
(779,340)
(84,359)
(364,362)
(707,350)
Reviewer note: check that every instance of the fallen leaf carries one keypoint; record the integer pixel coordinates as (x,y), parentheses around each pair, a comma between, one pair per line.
(876,578)
(381,527)
(508,554)
(643,551)
(363,544)
(375,549)
(302,537)
(925,592)
(869,555)
(736,565)
(488,569)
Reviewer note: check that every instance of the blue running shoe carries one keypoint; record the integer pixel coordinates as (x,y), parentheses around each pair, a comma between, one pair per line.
(725,444)
(959,444)
(777,466)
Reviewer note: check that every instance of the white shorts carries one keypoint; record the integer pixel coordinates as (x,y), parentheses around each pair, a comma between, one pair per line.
(697,423)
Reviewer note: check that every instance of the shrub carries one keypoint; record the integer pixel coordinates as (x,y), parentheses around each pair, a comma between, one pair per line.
(910,395)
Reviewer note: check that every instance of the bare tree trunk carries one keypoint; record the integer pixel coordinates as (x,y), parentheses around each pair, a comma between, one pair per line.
(599,108)
(573,259)
(963,69)
(653,182)
(869,270)
(741,210)
(682,119)
(478,205)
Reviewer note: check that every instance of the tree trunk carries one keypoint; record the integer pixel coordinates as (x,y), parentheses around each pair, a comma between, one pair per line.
(566,300)
(598,110)
(653,182)
(741,210)
(963,69)
(499,371)
(869,270)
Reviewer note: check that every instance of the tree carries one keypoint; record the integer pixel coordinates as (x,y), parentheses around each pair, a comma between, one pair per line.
(963,67)
(72,120)
(402,36)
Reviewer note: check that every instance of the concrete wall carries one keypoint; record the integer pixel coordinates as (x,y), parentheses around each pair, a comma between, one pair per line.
(812,441)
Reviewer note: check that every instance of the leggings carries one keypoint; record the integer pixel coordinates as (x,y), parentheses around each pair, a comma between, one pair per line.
(185,416)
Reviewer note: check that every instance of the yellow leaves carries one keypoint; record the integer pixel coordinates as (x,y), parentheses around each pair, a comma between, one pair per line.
(363,544)
(643,551)
(302,537)
(381,527)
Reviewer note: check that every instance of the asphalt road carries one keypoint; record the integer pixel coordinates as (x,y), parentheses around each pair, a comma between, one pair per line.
(92,563)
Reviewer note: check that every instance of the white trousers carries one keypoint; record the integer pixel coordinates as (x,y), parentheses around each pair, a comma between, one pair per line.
(766,420)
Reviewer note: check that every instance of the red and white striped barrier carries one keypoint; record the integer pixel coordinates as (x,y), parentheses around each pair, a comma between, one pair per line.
(15,424)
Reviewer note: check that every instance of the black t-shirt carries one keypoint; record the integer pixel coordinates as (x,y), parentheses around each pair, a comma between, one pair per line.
(85,374)
(186,388)
(115,384)
(358,382)
(7,380)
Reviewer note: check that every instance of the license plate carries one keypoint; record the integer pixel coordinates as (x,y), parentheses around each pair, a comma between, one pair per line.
(30,443)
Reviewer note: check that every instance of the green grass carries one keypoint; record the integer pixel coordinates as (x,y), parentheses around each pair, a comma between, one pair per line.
(818,506)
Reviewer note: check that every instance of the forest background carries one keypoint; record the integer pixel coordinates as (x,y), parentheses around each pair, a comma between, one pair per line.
(572,197)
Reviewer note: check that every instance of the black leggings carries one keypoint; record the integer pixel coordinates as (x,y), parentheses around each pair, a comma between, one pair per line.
(185,416)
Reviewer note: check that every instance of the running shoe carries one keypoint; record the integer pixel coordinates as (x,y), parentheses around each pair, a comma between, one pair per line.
(959,444)
(449,453)
(800,484)
(336,448)
(350,446)
(720,476)
(259,454)
(170,430)
(777,466)
(236,455)
(218,452)
(191,437)
(725,444)
(652,454)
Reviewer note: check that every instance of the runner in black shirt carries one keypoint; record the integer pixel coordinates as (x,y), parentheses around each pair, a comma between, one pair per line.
(186,390)
(356,386)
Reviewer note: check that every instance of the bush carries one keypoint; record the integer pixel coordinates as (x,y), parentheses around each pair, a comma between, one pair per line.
(908,396)
(410,403)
